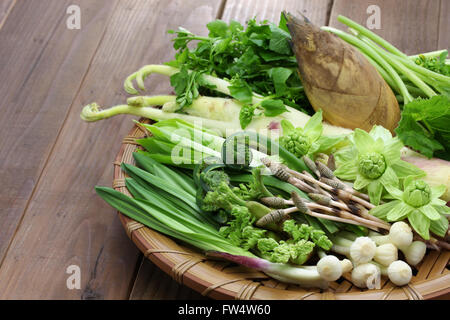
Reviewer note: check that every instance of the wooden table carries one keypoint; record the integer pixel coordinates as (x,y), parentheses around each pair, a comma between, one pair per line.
(50,160)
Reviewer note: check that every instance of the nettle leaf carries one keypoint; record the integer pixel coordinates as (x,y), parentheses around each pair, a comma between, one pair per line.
(273,108)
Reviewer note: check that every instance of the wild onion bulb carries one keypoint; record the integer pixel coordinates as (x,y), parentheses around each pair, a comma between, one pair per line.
(331,268)
(362,250)
(366,275)
(399,272)
(415,252)
(400,235)
(386,254)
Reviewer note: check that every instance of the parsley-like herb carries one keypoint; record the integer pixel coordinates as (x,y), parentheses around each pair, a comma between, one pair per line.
(255,59)
(424,126)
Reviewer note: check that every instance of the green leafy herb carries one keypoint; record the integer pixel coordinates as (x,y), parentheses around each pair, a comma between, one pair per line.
(424,126)
(436,64)
(258,59)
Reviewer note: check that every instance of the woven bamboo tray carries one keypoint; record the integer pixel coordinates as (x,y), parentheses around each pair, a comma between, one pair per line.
(223,280)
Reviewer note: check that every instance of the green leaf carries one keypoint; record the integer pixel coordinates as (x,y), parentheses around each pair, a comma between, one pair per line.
(363,141)
(314,128)
(394,192)
(328,144)
(438,191)
(440,226)
(382,211)
(400,211)
(246,115)
(424,126)
(391,151)
(374,190)
(347,171)
(279,76)
(361,182)
(283,24)
(279,41)
(380,132)
(420,223)
(217,28)
(442,209)
(430,212)
(273,108)
(403,169)
(287,126)
(241,91)
(389,178)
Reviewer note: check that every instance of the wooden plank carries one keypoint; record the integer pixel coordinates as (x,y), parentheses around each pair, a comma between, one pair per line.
(410,25)
(5,8)
(152,283)
(66,223)
(243,10)
(444,26)
(40,78)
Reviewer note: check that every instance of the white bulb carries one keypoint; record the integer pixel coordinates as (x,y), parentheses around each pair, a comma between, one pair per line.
(400,234)
(366,275)
(399,272)
(386,254)
(362,250)
(329,268)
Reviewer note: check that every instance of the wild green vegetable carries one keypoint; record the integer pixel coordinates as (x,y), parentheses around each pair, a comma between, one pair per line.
(413,78)
(420,204)
(437,63)
(256,58)
(425,126)
(373,162)
(394,62)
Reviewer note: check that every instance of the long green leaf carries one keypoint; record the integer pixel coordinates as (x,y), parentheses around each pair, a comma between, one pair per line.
(164,172)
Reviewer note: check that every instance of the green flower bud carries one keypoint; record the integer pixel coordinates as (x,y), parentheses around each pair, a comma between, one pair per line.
(417,194)
(296,143)
(372,165)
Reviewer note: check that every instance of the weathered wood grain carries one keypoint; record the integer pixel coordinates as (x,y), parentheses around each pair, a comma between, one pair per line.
(410,25)
(242,10)
(5,8)
(152,283)
(42,65)
(444,25)
(66,223)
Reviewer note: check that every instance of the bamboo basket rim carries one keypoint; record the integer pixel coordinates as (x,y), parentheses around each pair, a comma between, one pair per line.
(225,280)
